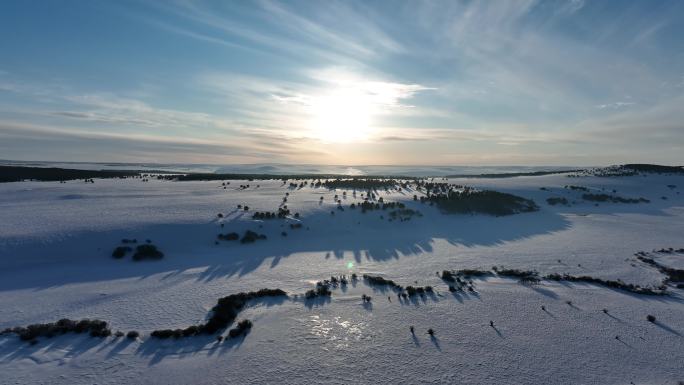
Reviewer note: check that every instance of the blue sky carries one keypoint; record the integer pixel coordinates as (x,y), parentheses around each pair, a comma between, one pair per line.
(567,82)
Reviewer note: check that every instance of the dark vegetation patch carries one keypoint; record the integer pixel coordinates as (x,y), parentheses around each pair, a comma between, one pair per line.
(636,289)
(121,251)
(513,174)
(380,281)
(148,251)
(380,205)
(233,236)
(629,170)
(284,177)
(132,335)
(243,327)
(223,314)
(460,280)
(321,290)
(557,201)
(577,188)
(323,287)
(19,173)
(360,183)
(675,276)
(282,213)
(251,237)
(420,290)
(407,291)
(654,168)
(404,214)
(94,328)
(612,198)
(530,277)
(470,201)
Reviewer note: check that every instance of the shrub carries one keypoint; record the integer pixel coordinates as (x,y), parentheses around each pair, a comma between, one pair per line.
(95,328)
(607,283)
(121,252)
(556,200)
(147,252)
(612,198)
(241,329)
(132,334)
(651,318)
(320,291)
(229,236)
(251,237)
(377,280)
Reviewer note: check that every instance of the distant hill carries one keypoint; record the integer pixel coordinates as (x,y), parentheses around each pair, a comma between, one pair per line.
(17,174)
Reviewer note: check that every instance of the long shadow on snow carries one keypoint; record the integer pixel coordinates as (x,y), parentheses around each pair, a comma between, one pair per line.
(348,233)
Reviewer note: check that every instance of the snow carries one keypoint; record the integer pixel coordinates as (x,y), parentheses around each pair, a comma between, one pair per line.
(55,262)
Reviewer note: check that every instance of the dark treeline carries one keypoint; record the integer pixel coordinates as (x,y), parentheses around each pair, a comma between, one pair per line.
(470,201)
(361,183)
(655,168)
(284,177)
(52,174)
(513,174)
(95,328)
(612,198)
(629,170)
(223,314)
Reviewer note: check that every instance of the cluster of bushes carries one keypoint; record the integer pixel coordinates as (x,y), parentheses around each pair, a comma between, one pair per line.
(147,251)
(577,188)
(469,201)
(223,313)
(673,275)
(404,214)
(251,237)
(243,327)
(229,236)
(121,251)
(95,328)
(670,250)
(321,290)
(459,280)
(556,200)
(607,283)
(411,291)
(360,184)
(380,281)
(295,226)
(282,213)
(612,198)
(369,206)
(524,276)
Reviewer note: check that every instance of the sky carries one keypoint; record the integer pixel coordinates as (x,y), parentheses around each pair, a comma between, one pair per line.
(567,82)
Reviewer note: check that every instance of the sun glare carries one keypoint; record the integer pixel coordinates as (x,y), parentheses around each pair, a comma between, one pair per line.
(341,116)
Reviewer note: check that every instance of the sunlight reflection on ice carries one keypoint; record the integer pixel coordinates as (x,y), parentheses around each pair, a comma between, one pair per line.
(341,332)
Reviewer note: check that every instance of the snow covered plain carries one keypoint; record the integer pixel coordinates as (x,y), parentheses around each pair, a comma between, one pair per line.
(56,242)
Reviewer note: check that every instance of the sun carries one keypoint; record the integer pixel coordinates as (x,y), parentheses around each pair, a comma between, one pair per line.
(341,115)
